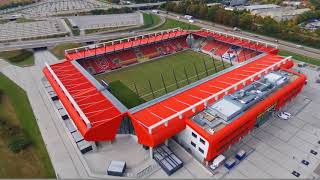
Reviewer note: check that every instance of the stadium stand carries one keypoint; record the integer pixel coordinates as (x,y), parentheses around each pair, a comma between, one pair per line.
(121,58)
(239,41)
(94,112)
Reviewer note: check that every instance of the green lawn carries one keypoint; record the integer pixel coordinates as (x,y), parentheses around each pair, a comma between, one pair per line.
(18,122)
(25,20)
(152,70)
(18,57)
(150,20)
(172,23)
(58,50)
(300,57)
(126,95)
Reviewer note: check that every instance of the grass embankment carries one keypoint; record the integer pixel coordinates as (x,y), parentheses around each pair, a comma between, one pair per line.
(22,150)
(172,23)
(300,57)
(25,20)
(195,65)
(150,20)
(58,50)
(18,57)
(75,31)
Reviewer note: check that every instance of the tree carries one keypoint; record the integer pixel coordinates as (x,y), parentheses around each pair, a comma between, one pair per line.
(246,21)
(318,32)
(203,11)
(270,26)
(212,13)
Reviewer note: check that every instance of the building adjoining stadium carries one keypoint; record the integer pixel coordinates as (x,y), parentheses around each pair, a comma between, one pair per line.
(205,117)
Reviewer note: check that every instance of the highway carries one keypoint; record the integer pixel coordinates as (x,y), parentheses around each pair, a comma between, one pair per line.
(307,51)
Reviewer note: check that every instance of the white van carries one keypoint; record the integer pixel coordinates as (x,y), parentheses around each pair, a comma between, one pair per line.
(188,17)
(155,11)
(217,162)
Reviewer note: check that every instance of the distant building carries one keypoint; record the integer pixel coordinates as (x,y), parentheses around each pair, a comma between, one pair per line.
(312,25)
(280,14)
(262,7)
(292,3)
(234,2)
(213,4)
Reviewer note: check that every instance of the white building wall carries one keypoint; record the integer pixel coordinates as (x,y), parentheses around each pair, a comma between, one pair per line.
(186,137)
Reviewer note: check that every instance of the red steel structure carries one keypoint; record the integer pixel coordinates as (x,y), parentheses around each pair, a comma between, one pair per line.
(98,119)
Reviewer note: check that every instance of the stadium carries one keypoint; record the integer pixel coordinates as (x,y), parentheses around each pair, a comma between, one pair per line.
(203,88)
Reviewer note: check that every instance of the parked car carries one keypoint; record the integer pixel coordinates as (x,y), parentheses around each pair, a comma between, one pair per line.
(217,162)
(241,154)
(284,115)
(230,163)
(299,46)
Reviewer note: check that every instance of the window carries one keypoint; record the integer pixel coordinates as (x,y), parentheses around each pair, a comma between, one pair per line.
(202,141)
(201,150)
(193,144)
(194,135)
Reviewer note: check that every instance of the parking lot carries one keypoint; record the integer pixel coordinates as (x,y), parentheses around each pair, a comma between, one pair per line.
(19,31)
(52,7)
(107,21)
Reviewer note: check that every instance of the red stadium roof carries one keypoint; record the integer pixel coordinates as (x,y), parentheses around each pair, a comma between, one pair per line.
(152,117)
(79,95)
(98,119)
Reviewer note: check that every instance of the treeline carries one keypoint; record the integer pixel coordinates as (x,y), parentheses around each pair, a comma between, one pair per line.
(149,1)
(308,15)
(315,3)
(111,11)
(288,30)
(15,4)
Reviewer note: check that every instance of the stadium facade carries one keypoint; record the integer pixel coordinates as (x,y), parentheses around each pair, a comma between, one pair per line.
(206,117)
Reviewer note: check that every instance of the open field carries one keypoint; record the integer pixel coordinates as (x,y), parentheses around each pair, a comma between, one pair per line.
(18,57)
(22,150)
(186,67)
(300,57)
(58,50)
(172,23)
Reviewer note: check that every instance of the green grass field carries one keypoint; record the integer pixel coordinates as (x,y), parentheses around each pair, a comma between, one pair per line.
(150,20)
(18,57)
(18,125)
(300,57)
(137,77)
(172,23)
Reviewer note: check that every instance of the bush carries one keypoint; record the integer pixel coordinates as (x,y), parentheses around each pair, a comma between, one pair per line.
(17,144)
(3,123)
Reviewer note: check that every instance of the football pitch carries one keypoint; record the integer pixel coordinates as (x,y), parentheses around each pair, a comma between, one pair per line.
(155,78)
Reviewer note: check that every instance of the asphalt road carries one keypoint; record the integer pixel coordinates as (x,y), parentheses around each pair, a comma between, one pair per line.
(307,51)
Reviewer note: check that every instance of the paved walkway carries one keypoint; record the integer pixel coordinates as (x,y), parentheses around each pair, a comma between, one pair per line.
(62,154)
